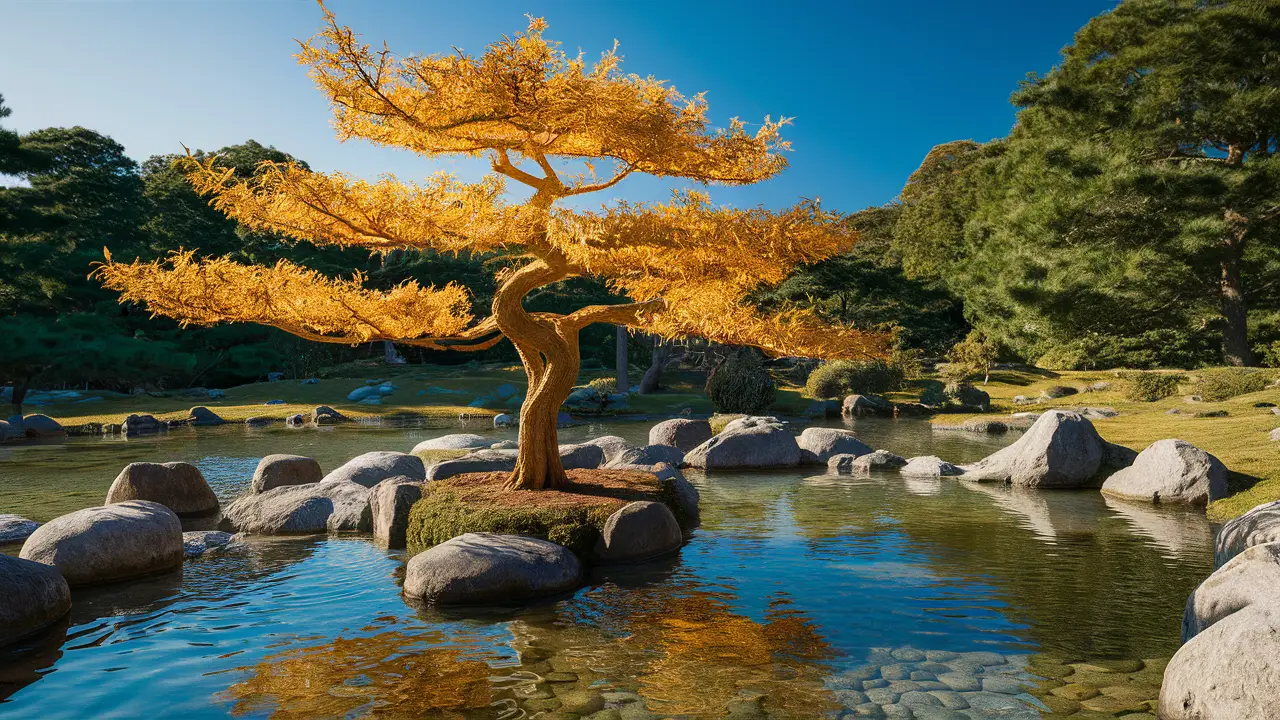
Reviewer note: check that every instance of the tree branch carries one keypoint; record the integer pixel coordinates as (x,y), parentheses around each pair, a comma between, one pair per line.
(626,314)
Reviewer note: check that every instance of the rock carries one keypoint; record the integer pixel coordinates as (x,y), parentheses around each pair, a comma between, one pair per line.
(1062,449)
(281,470)
(199,542)
(35,596)
(371,401)
(1275,435)
(748,442)
(1250,578)
(1024,400)
(581,457)
(1057,391)
(330,506)
(201,416)
(478,461)
(295,420)
(842,464)
(372,468)
(502,420)
(109,543)
(929,466)
(37,425)
(817,445)
(9,432)
(649,455)
(310,381)
(1098,413)
(505,445)
(389,505)
(864,404)
(362,393)
(638,531)
(613,447)
(1170,471)
(457,441)
(15,528)
(325,415)
(912,409)
(178,486)
(971,396)
(256,421)
(1258,526)
(217,394)
(680,433)
(823,409)
(1229,671)
(274,402)
(878,460)
(135,425)
(480,568)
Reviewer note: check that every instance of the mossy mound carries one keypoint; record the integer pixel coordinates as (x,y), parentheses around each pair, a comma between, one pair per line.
(431,457)
(572,516)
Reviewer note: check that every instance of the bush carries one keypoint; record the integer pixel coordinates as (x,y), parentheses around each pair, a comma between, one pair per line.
(1150,386)
(741,384)
(1053,392)
(1225,383)
(604,385)
(846,377)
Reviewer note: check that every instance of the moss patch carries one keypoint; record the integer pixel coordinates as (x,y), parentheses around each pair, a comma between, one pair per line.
(572,516)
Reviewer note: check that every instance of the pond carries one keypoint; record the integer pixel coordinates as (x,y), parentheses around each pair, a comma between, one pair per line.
(801,595)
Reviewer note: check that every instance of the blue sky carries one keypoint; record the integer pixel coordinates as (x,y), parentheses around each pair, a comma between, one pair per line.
(872,85)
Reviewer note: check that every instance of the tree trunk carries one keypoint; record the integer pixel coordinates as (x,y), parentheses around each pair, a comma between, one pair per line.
(19,394)
(623,380)
(653,376)
(1235,329)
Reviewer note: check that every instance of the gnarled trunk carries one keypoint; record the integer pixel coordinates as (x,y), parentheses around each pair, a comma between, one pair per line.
(1235,330)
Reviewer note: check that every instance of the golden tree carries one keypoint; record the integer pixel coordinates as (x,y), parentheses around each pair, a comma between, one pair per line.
(687,266)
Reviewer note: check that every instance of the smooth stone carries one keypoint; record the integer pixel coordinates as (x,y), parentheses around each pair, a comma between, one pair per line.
(985,658)
(612,445)
(372,468)
(919,698)
(333,506)
(581,456)
(504,420)
(488,567)
(201,416)
(582,702)
(15,528)
(922,675)
(881,696)
(37,425)
(908,655)
(878,460)
(929,466)
(456,441)
(1250,578)
(1001,685)
(199,542)
(649,455)
(905,686)
(1075,691)
(938,656)
(140,424)
(1061,449)
(681,433)
(818,445)
(1170,471)
(275,471)
(894,710)
(950,699)
(842,464)
(389,504)
(849,698)
(1259,526)
(325,415)
(178,486)
(895,672)
(35,596)
(745,443)
(113,542)
(638,531)
(998,702)
(960,682)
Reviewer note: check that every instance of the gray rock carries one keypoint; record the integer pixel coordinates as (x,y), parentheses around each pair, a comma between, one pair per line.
(1098,413)
(1250,578)
(1258,526)
(907,654)
(478,568)
(178,486)
(878,460)
(1000,705)
(842,464)
(960,682)
(1170,471)
(281,470)
(362,393)
(505,445)
(612,445)
(638,531)
(109,543)
(478,461)
(15,528)
(970,396)
(950,699)
(258,421)
(35,596)
(199,542)
(917,698)
(336,506)
(325,415)
(1275,435)
(502,420)
(389,505)
(680,433)
(1002,685)
(138,424)
(1062,449)
(295,420)
(37,425)
(581,457)
(1229,671)
(882,696)
(458,441)
(749,442)
(372,468)
(276,401)
(929,466)
(201,416)
(649,455)
(864,404)
(818,445)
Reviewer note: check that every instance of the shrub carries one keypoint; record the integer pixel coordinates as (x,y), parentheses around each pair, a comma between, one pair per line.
(845,377)
(604,385)
(975,355)
(1150,386)
(1225,383)
(741,384)
(1053,392)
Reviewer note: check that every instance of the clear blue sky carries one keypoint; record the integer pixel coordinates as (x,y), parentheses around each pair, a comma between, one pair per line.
(872,85)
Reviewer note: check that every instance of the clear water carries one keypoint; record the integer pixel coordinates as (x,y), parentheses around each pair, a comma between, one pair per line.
(792,579)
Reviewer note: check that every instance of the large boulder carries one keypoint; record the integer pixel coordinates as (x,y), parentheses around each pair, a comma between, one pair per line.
(841,464)
(389,505)
(878,460)
(649,455)
(141,424)
(37,425)
(457,441)
(1252,577)
(612,445)
(363,393)
(372,468)
(336,506)
(929,466)
(638,531)
(1229,671)
(178,486)
(35,596)
(1170,471)
(325,415)
(201,416)
(280,470)
(748,442)
(1061,450)
(1256,527)
(818,445)
(15,528)
(478,568)
(113,542)
(478,461)
(854,405)
(680,433)
(581,457)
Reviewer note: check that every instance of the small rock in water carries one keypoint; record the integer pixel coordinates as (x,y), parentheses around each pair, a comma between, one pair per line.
(295,420)
(908,655)
(195,544)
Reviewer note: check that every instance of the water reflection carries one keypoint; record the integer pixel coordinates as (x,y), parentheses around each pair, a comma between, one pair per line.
(1179,533)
